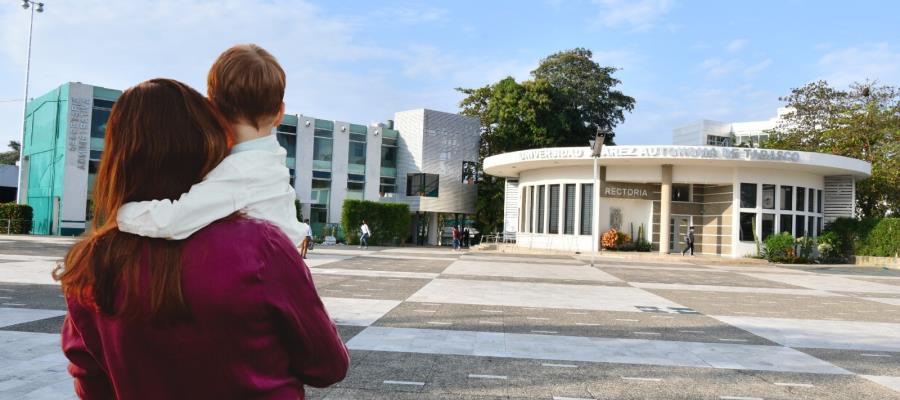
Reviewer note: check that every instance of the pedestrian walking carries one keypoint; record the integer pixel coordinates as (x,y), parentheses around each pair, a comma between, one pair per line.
(364,234)
(466,237)
(456,238)
(689,241)
(307,239)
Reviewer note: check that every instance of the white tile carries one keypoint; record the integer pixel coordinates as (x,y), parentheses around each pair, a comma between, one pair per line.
(732,289)
(574,348)
(532,270)
(850,335)
(831,283)
(316,260)
(357,312)
(31,272)
(544,295)
(892,301)
(375,273)
(890,382)
(535,259)
(14,316)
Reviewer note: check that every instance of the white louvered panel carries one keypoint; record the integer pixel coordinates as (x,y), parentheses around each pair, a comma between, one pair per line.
(511,206)
(840,197)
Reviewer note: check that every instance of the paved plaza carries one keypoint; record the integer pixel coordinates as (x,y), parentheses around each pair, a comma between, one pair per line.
(427,323)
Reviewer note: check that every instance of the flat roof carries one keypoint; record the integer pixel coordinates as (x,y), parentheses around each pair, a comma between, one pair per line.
(511,164)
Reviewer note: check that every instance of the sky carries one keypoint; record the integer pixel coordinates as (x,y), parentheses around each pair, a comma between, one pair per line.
(361,61)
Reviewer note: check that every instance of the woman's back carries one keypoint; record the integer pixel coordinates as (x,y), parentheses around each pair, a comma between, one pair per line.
(258,327)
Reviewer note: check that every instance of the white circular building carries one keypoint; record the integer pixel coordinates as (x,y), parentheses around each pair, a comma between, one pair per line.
(732,196)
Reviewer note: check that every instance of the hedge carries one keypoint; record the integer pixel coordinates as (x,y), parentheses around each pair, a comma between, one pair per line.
(387,221)
(879,237)
(20,216)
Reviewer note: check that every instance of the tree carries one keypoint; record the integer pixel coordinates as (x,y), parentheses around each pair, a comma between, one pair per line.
(862,122)
(569,96)
(10,157)
(586,91)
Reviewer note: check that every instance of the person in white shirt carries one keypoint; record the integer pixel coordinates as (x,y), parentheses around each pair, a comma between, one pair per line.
(307,239)
(246,85)
(364,234)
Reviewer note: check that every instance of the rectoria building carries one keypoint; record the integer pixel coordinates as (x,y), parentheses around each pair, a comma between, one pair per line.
(732,196)
(425,159)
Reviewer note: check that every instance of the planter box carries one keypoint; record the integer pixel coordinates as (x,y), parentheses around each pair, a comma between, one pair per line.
(893,262)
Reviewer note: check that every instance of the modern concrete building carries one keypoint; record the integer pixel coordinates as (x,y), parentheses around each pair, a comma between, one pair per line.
(732,196)
(715,133)
(426,160)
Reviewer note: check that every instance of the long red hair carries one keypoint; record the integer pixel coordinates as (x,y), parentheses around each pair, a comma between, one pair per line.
(161,138)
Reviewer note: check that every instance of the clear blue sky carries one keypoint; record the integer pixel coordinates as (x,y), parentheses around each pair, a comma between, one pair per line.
(360,61)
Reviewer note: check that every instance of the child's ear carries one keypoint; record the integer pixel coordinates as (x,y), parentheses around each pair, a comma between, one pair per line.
(279,117)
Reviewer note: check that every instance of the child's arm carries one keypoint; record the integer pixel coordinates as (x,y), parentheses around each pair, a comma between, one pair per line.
(220,194)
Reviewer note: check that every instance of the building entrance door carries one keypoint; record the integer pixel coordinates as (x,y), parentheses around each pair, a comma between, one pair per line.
(678,229)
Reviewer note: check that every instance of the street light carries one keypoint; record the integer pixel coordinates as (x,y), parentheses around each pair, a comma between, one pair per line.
(26,4)
(596,150)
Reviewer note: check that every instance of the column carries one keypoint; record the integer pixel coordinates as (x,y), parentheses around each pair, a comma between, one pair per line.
(665,208)
(434,231)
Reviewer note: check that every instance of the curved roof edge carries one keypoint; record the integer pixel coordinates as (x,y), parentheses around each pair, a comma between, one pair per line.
(511,164)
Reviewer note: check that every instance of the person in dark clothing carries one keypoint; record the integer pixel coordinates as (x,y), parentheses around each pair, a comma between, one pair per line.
(689,241)
(466,237)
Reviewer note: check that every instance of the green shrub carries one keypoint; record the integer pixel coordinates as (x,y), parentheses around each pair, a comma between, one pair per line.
(780,248)
(879,237)
(387,221)
(830,248)
(883,240)
(19,217)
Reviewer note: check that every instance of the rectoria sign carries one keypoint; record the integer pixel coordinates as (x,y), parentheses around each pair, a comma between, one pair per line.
(624,190)
(696,152)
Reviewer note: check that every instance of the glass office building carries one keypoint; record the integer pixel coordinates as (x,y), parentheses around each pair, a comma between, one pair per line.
(424,161)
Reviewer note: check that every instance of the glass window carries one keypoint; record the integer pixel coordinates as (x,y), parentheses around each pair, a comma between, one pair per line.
(289,142)
(786,224)
(569,218)
(801,226)
(99,117)
(388,185)
(287,128)
(811,204)
(810,226)
(356,178)
(531,208)
(100,103)
(587,207)
(554,209)
(818,226)
(819,200)
(318,214)
(356,186)
(768,197)
(321,190)
(748,195)
(787,197)
(540,208)
(357,156)
(389,156)
(713,140)
(321,175)
(422,185)
(322,152)
(358,137)
(681,192)
(748,222)
(768,226)
(801,198)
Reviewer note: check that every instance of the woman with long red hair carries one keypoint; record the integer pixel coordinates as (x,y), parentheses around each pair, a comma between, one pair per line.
(230,312)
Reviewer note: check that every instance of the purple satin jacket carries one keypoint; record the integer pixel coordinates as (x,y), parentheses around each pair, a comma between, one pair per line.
(259,329)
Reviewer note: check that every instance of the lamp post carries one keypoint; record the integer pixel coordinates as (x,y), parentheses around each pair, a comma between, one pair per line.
(39,7)
(596,149)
